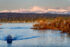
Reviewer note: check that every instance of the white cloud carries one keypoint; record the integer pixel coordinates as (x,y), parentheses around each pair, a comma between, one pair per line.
(4,11)
(37,9)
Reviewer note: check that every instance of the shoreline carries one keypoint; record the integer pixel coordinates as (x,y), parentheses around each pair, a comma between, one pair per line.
(57,24)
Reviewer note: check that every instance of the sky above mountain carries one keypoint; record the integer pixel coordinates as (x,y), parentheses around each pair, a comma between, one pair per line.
(34,5)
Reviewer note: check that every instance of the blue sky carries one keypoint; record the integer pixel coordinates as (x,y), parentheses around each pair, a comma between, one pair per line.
(16,4)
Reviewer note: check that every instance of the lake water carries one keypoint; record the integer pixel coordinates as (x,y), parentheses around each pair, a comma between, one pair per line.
(35,38)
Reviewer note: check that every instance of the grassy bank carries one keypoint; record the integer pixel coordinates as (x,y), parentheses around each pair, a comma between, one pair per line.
(58,23)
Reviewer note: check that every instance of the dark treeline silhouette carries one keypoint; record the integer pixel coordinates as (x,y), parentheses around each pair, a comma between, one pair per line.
(21,17)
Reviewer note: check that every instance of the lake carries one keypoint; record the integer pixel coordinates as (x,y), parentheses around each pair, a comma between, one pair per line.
(35,38)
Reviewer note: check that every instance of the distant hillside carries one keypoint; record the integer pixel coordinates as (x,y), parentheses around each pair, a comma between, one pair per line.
(5,17)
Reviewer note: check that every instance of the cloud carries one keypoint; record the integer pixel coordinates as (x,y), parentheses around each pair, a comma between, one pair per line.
(57,10)
(37,9)
(4,11)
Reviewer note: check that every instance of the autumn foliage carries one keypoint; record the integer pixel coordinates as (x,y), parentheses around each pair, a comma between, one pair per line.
(58,23)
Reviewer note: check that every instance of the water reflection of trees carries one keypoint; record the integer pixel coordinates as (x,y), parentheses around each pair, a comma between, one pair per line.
(9,45)
(59,37)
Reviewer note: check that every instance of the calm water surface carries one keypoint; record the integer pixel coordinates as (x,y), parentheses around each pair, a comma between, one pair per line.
(47,38)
